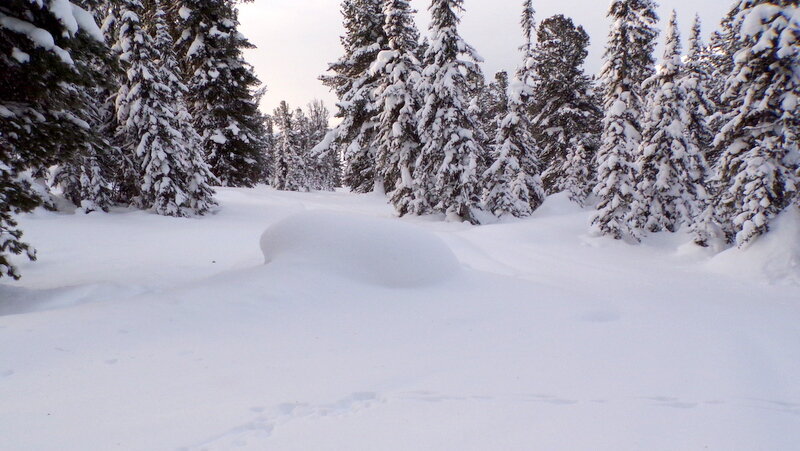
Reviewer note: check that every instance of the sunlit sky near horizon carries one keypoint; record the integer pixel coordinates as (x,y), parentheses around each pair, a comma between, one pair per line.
(296,39)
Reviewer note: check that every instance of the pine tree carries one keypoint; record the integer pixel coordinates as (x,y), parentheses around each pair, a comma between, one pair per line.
(446,171)
(628,62)
(354,85)
(222,90)
(565,113)
(398,143)
(289,170)
(157,127)
(511,187)
(40,106)
(672,170)
(758,166)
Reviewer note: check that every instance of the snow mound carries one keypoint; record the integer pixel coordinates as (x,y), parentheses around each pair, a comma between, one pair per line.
(774,256)
(375,251)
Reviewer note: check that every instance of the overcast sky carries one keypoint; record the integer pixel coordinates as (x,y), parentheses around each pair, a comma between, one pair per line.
(297,38)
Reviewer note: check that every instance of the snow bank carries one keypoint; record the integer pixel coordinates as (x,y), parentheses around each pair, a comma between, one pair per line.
(775,256)
(375,251)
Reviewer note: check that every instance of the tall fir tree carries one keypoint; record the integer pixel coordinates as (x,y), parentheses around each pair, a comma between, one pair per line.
(398,142)
(565,112)
(446,173)
(354,84)
(758,166)
(42,110)
(512,183)
(157,127)
(324,168)
(289,170)
(695,81)
(628,62)
(672,170)
(222,90)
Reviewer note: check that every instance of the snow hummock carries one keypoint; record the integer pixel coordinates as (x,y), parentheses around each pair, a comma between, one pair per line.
(376,251)
(774,256)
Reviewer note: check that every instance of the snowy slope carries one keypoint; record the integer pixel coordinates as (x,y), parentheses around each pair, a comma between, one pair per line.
(139,332)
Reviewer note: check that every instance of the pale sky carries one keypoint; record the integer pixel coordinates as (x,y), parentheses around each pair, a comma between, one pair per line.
(297,38)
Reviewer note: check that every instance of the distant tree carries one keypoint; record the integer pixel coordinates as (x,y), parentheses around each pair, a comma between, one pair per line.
(565,112)
(628,62)
(289,171)
(354,84)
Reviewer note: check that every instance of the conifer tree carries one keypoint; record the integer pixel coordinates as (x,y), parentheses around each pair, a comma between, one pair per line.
(628,62)
(324,168)
(695,82)
(289,170)
(157,127)
(222,90)
(354,84)
(565,113)
(446,170)
(41,111)
(757,170)
(672,170)
(398,143)
(510,186)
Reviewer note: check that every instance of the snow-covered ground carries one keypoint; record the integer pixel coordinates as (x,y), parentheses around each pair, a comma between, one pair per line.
(139,332)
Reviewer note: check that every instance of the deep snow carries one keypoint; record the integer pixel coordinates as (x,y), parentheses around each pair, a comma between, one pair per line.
(140,332)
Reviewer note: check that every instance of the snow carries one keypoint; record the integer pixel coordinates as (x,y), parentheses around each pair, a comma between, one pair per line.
(374,251)
(20,56)
(38,36)
(135,331)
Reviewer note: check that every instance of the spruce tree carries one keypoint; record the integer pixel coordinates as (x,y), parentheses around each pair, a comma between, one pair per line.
(222,90)
(672,170)
(398,143)
(758,166)
(324,168)
(628,62)
(511,188)
(354,84)
(41,109)
(695,81)
(565,113)
(289,170)
(446,174)
(174,179)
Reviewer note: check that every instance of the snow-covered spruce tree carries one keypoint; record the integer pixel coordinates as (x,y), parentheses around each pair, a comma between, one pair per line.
(397,100)
(86,177)
(695,82)
(628,62)
(445,175)
(323,168)
(565,113)
(40,105)
(354,85)
(289,170)
(222,90)
(672,170)
(510,186)
(174,179)
(758,166)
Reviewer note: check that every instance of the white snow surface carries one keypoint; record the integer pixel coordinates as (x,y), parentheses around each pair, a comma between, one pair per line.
(373,251)
(140,332)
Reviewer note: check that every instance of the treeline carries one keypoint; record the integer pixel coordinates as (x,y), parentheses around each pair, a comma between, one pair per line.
(707,140)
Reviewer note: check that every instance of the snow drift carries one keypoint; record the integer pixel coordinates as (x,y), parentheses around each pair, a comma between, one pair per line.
(775,256)
(375,251)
